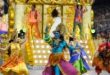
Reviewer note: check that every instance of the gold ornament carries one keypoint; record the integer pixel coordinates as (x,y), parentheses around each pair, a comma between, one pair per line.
(11,22)
(11,30)
(11,15)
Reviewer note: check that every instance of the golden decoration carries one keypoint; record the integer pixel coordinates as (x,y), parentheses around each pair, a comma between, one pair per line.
(11,22)
(79,2)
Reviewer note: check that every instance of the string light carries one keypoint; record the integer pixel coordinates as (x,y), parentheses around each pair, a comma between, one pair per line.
(43,51)
(86,46)
(34,51)
(37,46)
(37,41)
(44,56)
(49,52)
(42,46)
(36,61)
(47,46)
(46,61)
(35,56)
(40,61)
(38,51)
(91,61)
(88,51)
(42,41)
(39,56)
(90,57)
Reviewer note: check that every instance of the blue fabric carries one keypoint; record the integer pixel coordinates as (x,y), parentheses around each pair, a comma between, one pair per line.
(57,70)
(75,55)
(83,53)
(58,48)
(3,32)
(71,49)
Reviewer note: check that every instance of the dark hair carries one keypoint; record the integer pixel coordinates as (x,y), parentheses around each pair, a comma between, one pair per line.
(34,5)
(61,37)
(70,39)
(11,40)
(6,6)
(54,13)
(79,6)
(21,34)
(9,51)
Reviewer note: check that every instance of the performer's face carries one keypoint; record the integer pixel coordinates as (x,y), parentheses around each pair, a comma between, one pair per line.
(33,8)
(57,35)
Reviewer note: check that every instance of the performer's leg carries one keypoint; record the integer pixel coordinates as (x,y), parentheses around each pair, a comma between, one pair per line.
(37,32)
(57,70)
(74,29)
(81,30)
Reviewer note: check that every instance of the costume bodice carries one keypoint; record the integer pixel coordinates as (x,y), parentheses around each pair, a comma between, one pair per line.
(57,21)
(58,48)
(15,48)
(3,27)
(33,16)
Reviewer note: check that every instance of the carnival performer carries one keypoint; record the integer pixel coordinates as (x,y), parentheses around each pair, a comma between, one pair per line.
(57,64)
(15,62)
(78,19)
(3,25)
(34,19)
(57,21)
(77,56)
(101,60)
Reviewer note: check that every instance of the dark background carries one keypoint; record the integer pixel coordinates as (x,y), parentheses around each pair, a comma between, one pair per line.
(101,2)
(101,17)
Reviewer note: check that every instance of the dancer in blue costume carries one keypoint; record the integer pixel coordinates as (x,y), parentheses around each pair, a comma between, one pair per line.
(57,64)
(77,57)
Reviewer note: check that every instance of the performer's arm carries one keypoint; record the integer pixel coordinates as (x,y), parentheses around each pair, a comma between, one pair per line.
(47,37)
(4,49)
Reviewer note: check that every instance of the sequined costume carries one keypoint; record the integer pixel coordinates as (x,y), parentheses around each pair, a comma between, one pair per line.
(57,21)
(78,20)
(77,55)
(57,64)
(15,61)
(33,20)
(3,28)
(102,60)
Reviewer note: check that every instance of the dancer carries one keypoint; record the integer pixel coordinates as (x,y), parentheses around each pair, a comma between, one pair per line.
(77,55)
(57,21)
(78,19)
(3,26)
(15,61)
(57,64)
(34,18)
(101,60)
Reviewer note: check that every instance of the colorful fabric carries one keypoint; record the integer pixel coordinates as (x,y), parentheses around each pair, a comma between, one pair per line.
(103,58)
(3,32)
(14,64)
(78,60)
(55,58)
(65,68)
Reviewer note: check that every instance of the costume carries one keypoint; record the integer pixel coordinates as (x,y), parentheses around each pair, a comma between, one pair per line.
(57,21)
(78,19)
(103,58)
(15,61)
(57,64)
(3,28)
(77,55)
(33,19)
